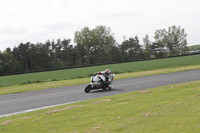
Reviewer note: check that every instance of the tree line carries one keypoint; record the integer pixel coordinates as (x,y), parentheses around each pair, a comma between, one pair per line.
(93,46)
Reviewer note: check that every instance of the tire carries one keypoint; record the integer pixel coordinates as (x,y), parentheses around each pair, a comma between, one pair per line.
(88,88)
(104,87)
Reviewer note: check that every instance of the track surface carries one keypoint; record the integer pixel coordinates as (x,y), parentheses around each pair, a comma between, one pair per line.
(12,103)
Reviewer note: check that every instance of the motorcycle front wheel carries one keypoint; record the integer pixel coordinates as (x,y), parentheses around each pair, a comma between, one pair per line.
(88,88)
(104,87)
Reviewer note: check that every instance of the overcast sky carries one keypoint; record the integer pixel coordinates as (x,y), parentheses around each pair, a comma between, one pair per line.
(41,20)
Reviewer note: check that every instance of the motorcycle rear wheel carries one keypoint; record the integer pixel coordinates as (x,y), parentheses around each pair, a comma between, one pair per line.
(88,88)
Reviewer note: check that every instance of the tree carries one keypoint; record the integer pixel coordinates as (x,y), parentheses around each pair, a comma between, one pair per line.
(80,55)
(83,38)
(158,50)
(67,53)
(174,40)
(131,49)
(177,41)
(115,54)
(1,66)
(23,52)
(103,41)
(147,47)
(159,46)
(10,64)
(96,43)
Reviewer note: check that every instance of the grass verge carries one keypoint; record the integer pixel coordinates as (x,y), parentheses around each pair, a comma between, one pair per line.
(172,108)
(62,83)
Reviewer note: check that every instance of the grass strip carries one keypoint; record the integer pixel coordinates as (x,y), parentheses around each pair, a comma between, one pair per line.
(62,83)
(172,108)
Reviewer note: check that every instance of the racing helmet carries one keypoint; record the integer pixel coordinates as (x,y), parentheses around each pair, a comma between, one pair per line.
(107,71)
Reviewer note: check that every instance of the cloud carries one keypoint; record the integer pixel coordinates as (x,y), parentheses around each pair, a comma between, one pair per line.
(58,26)
(40,20)
(11,31)
(118,15)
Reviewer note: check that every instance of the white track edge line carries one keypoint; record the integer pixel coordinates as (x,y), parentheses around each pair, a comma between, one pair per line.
(30,110)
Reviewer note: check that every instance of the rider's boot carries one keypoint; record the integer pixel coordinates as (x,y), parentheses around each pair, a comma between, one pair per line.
(110,87)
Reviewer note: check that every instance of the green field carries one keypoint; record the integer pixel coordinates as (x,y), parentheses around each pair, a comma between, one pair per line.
(194,47)
(87,71)
(167,109)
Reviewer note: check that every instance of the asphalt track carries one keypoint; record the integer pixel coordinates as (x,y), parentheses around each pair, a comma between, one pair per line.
(27,101)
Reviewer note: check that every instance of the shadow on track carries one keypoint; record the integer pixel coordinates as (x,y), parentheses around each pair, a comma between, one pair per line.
(105,91)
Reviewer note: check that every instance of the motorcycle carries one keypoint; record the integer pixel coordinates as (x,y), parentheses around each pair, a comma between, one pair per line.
(98,82)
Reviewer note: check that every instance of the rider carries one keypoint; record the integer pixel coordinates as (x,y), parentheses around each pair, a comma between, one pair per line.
(108,75)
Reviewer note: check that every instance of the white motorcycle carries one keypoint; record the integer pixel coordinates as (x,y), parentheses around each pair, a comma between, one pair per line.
(99,82)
